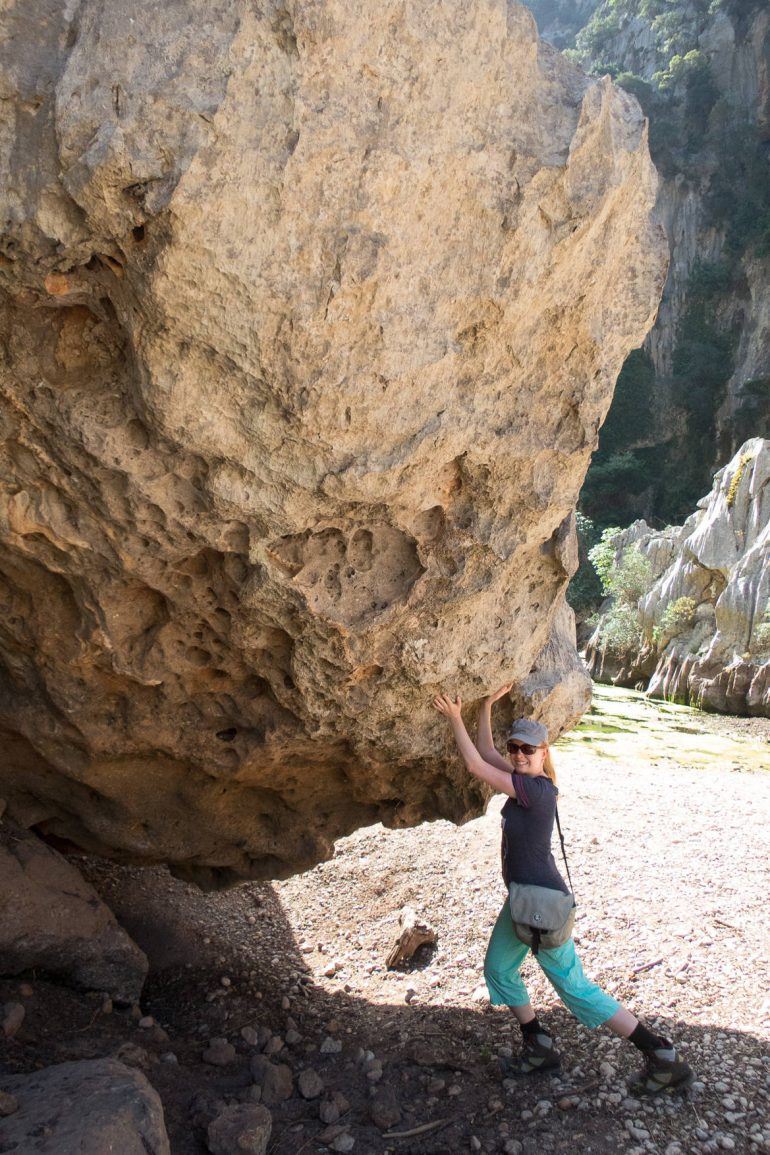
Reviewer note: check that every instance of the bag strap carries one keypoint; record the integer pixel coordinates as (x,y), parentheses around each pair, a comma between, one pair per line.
(563,850)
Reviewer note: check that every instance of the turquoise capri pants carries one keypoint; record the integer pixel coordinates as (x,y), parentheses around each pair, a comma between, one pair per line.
(505,954)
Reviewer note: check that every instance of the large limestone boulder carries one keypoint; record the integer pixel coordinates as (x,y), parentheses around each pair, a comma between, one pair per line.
(51,920)
(312,314)
(85,1108)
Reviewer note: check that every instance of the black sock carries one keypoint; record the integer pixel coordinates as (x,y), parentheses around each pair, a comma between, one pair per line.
(533,1027)
(645,1040)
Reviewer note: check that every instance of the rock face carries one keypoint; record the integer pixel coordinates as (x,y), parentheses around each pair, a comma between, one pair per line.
(311,318)
(715,651)
(699,387)
(51,920)
(86,1108)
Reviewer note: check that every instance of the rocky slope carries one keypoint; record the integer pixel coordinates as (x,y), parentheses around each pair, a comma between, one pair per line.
(310,319)
(706,619)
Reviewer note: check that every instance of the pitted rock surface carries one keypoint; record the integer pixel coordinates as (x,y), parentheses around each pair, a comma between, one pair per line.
(311,317)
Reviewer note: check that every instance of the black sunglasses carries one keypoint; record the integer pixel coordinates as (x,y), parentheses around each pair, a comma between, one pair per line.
(524,747)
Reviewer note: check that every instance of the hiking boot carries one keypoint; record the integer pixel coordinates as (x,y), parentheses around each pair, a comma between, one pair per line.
(538,1053)
(663,1071)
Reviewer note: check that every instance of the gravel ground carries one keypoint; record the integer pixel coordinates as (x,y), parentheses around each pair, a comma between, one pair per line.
(667,834)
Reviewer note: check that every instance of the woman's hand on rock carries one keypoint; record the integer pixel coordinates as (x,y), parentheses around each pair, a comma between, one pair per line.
(450,709)
(499,693)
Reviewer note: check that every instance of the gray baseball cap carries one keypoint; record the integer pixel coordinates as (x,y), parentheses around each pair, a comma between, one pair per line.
(525,730)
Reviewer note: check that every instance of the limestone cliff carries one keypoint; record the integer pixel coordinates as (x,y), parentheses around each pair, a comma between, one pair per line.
(311,316)
(706,618)
(699,386)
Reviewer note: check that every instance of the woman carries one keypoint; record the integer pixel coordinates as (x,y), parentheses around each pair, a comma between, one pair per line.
(528,778)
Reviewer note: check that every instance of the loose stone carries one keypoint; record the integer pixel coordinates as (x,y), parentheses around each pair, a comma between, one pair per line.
(310,1084)
(8,1104)
(330,1046)
(219,1053)
(13,1017)
(244,1128)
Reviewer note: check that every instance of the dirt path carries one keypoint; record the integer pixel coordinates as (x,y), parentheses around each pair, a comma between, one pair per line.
(666,820)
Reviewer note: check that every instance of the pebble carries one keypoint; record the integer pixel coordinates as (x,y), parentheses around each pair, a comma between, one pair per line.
(132,1055)
(310,1084)
(219,1053)
(374,1071)
(13,1017)
(242,1127)
(513,1147)
(343,1143)
(250,1036)
(331,1108)
(146,1022)
(330,1046)
(384,1109)
(475,1143)
(8,1104)
(26,990)
(169,1057)
(275,1079)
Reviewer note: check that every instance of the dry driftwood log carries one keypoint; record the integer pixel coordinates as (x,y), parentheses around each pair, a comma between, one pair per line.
(413,934)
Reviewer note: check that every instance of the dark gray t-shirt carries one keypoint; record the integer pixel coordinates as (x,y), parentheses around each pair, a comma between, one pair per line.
(527,823)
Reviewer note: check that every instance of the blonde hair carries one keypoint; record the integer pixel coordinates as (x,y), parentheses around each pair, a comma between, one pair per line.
(548,765)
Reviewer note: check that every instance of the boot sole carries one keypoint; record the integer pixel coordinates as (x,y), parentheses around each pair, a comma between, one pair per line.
(523,1072)
(672,1088)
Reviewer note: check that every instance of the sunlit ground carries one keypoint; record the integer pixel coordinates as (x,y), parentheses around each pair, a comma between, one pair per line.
(623,723)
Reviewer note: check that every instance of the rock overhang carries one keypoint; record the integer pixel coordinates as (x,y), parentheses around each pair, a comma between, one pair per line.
(311,321)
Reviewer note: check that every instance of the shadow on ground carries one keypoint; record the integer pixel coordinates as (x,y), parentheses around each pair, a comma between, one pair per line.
(439,1063)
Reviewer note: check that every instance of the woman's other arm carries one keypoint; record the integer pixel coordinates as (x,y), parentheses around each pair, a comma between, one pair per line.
(484,741)
(494,776)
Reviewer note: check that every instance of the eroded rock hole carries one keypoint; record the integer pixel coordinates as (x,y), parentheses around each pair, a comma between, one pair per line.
(349,574)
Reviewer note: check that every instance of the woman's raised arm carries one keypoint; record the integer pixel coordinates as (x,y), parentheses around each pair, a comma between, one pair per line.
(484,740)
(494,776)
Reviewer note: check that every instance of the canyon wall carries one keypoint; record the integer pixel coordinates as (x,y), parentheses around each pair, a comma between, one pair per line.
(704,622)
(699,387)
